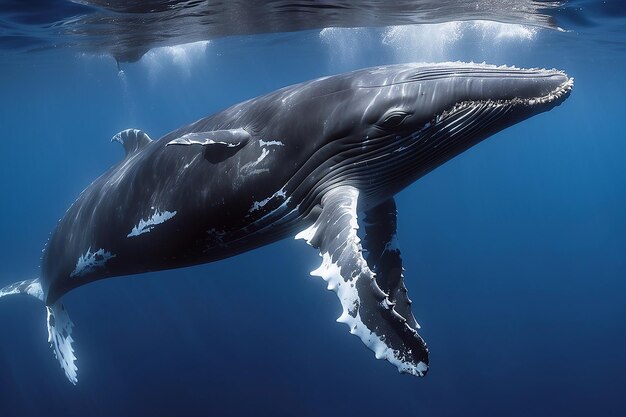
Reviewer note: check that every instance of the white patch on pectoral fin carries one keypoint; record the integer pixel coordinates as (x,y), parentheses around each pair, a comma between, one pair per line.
(367,310)
(60,339)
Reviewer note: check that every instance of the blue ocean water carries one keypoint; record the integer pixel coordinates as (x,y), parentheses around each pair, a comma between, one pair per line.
(514,251)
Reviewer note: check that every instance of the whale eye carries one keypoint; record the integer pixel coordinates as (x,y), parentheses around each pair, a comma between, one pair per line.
(393,119)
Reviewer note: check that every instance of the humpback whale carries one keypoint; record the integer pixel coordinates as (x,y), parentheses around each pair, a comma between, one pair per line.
(315,161)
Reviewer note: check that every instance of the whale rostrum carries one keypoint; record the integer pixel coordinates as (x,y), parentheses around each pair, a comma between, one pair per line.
(316,160)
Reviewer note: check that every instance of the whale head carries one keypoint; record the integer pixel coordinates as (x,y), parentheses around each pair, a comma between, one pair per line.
(394,124)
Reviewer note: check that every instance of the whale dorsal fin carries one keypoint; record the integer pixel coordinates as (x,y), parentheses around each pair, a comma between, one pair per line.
(133,140)
(219,145)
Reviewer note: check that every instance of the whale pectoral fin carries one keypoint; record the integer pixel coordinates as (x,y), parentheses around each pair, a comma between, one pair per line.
(383,257)
(219,145)
(133,140)
(370,313)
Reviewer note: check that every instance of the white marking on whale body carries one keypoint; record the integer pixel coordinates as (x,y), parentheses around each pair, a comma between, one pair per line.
(253,164)
(260,204)
(90,261)
(251,167)
(259,171)
(145,226)
(271,143)
(187,165)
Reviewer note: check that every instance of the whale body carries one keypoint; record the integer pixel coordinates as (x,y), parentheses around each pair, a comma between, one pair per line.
(316,160)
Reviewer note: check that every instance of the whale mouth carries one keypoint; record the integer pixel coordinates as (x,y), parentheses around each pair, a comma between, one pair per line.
(530,105)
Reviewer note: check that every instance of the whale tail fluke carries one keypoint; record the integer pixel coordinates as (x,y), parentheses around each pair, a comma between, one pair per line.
(59,325)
